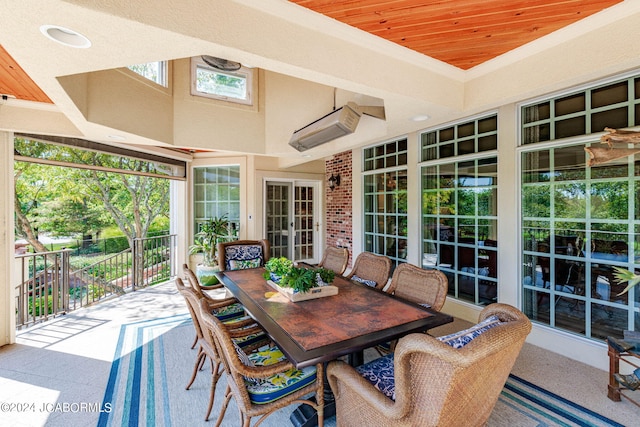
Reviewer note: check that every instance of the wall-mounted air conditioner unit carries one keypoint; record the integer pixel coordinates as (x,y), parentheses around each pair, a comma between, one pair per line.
(337,123)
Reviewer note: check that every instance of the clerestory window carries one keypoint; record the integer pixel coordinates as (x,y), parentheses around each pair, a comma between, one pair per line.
(231,86)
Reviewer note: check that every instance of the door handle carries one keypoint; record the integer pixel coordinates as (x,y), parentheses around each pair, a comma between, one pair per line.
(317,226)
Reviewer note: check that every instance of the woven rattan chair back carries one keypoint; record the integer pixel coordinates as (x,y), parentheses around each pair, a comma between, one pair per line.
(370,266)
(237,372)
(335,259)
(193,281)
(420,286)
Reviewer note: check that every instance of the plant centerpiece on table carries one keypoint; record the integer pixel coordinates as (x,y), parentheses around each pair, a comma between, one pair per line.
(283,272)
(212,232)
(277,268)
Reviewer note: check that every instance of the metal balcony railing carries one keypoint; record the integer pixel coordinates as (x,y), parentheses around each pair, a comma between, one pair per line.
(47,288)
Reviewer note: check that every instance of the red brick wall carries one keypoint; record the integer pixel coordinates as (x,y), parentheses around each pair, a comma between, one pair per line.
(339,215)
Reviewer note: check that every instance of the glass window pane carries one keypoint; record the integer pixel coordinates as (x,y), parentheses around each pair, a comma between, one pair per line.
(537,112)
(489,124)
(610,200)
(570,200)
(570,127)
(536,201)
(608,95)
(570,104)
(569,163)
(446,134)
(487,143)
(466,129)
(616,118)
(536,166)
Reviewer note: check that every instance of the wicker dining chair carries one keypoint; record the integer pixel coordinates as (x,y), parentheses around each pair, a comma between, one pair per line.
(427,288)
(232,308)
(433,381)
(265,381)
(371,269)
(249,336)
(415,284)
(335,259)
(241,254)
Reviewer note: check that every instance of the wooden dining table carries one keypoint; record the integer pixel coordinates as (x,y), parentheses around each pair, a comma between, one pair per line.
(323,329)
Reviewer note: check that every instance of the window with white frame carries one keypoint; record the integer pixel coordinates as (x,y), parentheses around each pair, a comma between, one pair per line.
(154,71)
(232,86)
(580,222)
(459,207)
(216,193)
(385,200)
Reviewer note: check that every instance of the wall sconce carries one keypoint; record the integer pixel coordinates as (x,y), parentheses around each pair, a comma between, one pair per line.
(334,181)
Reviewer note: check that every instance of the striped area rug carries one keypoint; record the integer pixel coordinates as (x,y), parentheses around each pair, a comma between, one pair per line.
(152,364)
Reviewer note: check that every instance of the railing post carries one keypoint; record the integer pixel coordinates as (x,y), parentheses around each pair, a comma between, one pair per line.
(138,263)
(66,254)
(134,263)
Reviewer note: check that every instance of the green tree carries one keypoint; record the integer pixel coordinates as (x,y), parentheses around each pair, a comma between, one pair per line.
(66,200)
(30,188)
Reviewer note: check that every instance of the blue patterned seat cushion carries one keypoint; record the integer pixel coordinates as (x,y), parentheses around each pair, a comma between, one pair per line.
(229,312)
(380,372)
(243,256)
(367,282)
(265,390)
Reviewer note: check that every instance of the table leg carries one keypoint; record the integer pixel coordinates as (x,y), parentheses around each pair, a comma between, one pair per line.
(305,415)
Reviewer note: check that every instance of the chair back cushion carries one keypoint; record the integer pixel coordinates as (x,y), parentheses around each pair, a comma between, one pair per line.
(370,283)
(243,256)
(461,338)
(373,268)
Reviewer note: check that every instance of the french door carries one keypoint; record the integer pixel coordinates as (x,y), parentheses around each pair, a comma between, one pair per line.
(292,220)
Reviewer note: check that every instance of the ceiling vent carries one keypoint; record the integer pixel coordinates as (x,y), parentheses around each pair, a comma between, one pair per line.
(340,122)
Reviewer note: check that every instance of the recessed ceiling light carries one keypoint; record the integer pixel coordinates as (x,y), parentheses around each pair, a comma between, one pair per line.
(65,36)
(420,118)
(306,156)
(117,137)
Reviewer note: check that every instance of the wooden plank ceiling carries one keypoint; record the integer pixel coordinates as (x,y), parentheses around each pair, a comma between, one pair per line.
(463,33)
(14,81)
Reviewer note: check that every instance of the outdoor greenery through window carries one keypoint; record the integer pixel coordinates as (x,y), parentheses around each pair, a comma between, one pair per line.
(233,86)
(459,223)
(216,191)
(385,200)
(154,71)
(578,223)
(459,207)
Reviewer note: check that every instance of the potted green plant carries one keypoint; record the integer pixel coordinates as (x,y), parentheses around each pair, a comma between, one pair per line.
(277,268)
(213,231)
(623,275)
